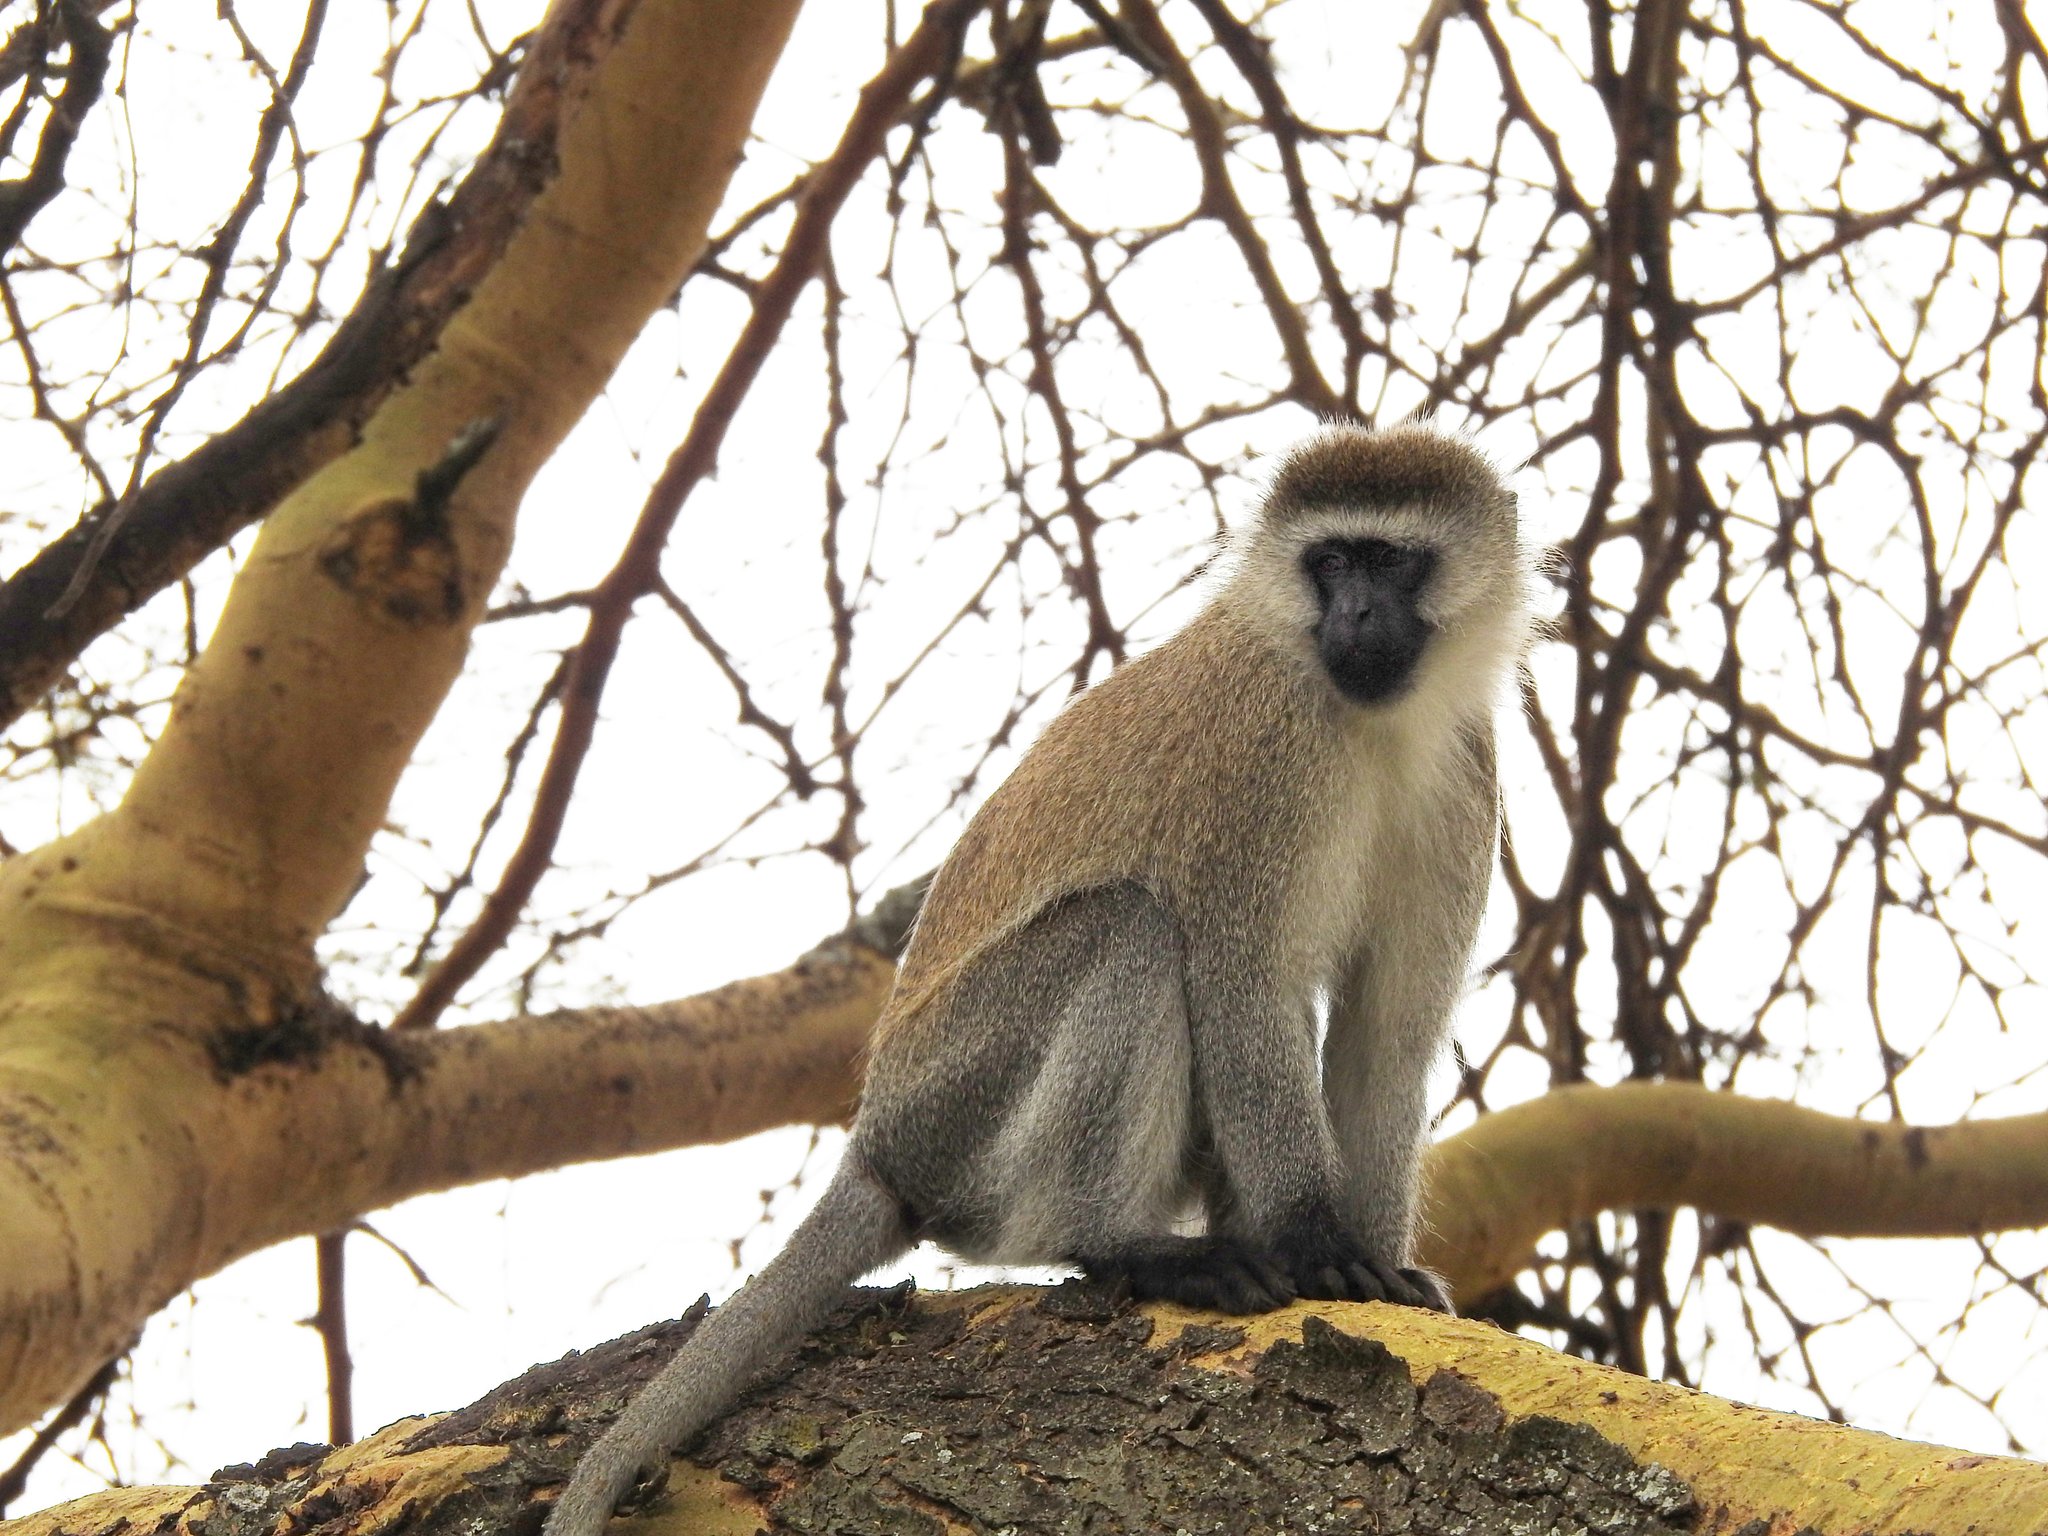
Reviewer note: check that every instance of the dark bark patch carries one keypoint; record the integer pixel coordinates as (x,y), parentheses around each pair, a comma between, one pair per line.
(286,1462)
(296,1038)
(1454,1401)
(1915,1140)
(301,1035)
(397,562)
(990,1414)
(1064,1417)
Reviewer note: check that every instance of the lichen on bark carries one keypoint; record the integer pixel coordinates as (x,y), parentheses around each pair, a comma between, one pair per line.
(994,1412)
(1009,1411)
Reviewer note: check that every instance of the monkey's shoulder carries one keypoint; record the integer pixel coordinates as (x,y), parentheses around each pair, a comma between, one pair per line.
(1217,702)
(1186,773)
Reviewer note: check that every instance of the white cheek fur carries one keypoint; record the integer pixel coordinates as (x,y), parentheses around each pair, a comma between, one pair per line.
(1478,599)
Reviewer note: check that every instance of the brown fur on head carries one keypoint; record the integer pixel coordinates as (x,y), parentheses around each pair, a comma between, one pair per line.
(1407,484)
(1348,464)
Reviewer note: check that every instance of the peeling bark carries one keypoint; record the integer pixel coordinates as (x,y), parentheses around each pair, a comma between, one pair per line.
(1012,1410)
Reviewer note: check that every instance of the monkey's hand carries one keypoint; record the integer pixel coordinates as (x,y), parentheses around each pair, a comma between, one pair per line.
(1435,1294)
(1216,1274)
(1327,1263)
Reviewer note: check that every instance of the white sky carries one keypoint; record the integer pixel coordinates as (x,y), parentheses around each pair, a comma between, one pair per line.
(522,1272)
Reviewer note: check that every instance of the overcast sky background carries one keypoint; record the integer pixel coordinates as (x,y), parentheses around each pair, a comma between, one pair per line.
(521,1272)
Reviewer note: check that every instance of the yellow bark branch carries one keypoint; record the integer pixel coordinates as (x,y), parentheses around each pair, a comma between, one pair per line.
(996,1409)
(150,962)
(1497,1187)
(130,1192)
(345,628)
(393,1116)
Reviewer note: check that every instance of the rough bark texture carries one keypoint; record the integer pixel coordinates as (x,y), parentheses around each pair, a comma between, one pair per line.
(1009,1410)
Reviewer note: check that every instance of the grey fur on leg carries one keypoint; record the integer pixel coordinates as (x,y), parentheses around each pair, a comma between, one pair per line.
(1045,1112)
(856,1226)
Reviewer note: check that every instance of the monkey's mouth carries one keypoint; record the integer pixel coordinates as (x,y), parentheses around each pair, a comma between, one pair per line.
(1369,672)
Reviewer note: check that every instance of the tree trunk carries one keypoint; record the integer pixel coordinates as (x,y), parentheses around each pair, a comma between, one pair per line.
(159,1033)
(1021,1411)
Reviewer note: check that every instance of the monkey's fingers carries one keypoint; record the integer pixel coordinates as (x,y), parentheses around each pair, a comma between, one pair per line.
(1327,1263)
(1239,1290)
(1412,1287)
(1343,1281)
(1234,1279)
(1405,1287)
(1430,1291)
(1213,1274)
(1254,1282)
(1374,1283)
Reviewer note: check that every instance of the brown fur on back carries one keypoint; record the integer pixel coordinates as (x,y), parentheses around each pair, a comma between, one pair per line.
(1147,733)
(1194,771)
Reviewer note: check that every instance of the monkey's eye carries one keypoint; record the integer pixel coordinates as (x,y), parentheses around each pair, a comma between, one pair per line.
(1329,562)
(1408,565)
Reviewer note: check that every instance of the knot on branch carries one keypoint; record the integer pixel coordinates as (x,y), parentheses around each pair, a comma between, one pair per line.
(398,563)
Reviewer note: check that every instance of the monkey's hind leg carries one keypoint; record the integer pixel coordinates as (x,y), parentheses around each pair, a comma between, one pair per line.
(1093,1165)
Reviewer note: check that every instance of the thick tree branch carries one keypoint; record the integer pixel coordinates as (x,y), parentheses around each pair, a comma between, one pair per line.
(155,966)
(351,619)
(122,554)
(1497,1187)
(233,1138)
(1045,1412)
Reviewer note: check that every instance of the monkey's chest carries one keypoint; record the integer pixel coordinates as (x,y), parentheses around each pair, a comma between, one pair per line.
(1388,858)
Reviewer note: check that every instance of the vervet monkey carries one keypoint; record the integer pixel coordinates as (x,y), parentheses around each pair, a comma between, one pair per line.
(1106,1021)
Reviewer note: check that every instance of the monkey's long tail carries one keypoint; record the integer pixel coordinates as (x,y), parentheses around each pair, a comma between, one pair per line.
(857,1225)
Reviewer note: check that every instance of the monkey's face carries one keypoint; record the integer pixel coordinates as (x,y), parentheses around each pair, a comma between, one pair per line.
(1370,632)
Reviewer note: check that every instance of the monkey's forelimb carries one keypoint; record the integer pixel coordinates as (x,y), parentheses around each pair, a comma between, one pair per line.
(857,1226)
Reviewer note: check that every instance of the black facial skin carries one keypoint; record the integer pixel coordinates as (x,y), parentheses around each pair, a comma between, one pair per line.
(1370,635)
